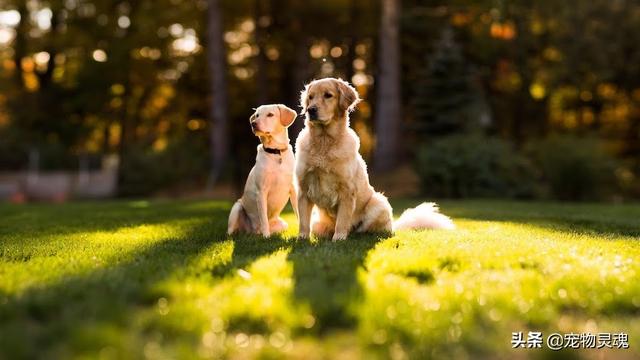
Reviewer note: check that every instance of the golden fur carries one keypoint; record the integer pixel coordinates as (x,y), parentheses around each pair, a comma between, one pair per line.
(332,175)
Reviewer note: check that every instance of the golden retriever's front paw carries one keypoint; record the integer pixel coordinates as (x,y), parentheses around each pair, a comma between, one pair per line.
(339,236)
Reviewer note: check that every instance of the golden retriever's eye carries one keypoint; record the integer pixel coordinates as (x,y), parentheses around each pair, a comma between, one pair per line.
(328,95)
(270,114)
(310,97)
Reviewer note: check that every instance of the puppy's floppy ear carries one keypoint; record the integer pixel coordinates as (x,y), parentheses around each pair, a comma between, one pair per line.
(349,97)
(287,115)
(303,99)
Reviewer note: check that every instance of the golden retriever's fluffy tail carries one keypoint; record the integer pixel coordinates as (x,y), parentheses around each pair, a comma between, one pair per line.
(423,216)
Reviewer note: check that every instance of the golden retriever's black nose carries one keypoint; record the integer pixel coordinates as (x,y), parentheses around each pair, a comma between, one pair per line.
(313,112)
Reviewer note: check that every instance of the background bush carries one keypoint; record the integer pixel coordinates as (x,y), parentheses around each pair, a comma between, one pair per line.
(575,168)
(475,166)
(145,172)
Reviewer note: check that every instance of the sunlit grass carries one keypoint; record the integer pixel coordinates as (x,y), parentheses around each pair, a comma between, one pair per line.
(162,280)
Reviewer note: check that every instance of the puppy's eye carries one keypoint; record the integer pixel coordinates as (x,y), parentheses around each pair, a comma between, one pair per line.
(270,114)
(310,97)
(328,95)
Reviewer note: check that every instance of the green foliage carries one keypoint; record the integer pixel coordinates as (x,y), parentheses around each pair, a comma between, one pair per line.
(52,155)
(130,279)
(444,94)
(13,152)
(576,168)
(145,172)
(474,166)
(502,55)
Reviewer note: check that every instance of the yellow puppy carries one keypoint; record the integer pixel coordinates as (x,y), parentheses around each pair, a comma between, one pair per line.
(332,175)
(270,183)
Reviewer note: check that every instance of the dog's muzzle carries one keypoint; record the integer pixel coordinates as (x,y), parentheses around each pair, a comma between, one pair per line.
(313,113)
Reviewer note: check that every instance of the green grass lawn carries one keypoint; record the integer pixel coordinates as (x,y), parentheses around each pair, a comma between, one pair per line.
(160,280)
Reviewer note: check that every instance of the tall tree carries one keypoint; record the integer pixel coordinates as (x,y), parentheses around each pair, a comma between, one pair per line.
(388,113)
(219,145)
(444,93)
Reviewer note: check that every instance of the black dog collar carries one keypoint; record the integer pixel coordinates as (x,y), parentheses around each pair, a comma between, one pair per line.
(274,151)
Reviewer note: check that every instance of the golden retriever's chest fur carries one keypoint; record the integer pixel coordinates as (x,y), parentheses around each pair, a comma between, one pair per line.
(325,168)
(322,189)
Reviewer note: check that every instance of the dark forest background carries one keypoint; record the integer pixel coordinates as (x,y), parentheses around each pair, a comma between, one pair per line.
(501,98)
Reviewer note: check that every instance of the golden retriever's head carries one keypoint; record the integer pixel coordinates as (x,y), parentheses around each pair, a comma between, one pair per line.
(271,120)
(327,99)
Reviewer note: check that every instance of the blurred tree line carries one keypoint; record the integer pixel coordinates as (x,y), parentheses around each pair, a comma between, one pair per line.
(169,85)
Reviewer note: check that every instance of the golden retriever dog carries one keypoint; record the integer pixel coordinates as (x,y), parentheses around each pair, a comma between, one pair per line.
(332,175)
(271,181)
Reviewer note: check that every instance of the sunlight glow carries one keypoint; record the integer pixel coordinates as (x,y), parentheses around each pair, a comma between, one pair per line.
(71,4)
(359,79)
(176,30)
(150,53)
(316,51)
(124,21)
(9,18)
(248,25)
(43,18)
(42,60)
(6,35)
(273,53)
(187,44)
(537,91)
(99,55)
(195,124)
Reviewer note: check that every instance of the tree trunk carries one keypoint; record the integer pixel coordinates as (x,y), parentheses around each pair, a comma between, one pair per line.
(297,82)
(351,41)
(262,82)
(19,44)
(218,134)
(45,78)
(294,59)
(388,112)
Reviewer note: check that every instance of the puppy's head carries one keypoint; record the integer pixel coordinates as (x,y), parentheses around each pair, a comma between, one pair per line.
(327,99)
(271,120)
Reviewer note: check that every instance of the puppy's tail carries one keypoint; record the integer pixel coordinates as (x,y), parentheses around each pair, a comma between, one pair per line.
(236,218)
(423,216)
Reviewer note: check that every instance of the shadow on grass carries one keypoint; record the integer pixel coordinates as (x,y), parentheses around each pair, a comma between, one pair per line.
(41,221)
(89,311)
(49,321)
(325,274)
(248,248)
(326,277)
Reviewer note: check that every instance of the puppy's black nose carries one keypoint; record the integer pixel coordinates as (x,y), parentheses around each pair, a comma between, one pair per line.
(313,112)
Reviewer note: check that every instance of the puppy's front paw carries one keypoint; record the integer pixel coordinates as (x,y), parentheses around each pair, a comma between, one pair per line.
(339,237)
(303,236)
(266,233)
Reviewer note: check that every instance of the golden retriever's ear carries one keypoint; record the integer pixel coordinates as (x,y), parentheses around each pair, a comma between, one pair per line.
(349,97)
(287,115)
(303,99)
